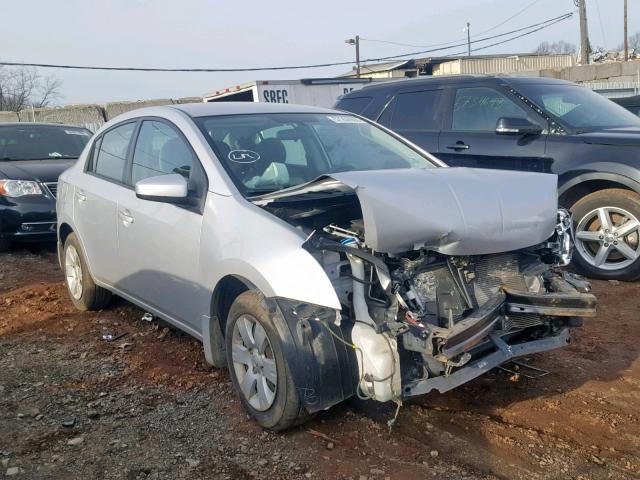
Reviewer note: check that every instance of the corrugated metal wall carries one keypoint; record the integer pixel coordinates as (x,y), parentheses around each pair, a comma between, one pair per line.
(504,64)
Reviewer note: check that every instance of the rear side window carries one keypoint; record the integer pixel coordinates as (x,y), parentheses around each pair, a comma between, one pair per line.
(110,154)
(414,111)
(354,104)
(160,150)
(480,108)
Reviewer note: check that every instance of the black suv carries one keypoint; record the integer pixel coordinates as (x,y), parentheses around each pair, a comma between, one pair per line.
(532,124)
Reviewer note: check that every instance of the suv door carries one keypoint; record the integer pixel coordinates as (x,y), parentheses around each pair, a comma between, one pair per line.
(470,139)
(417,116)
(95,201)
(159,243)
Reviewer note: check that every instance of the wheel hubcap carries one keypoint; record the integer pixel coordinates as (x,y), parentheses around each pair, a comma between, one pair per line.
(73,272)
(607,238)
(254,363)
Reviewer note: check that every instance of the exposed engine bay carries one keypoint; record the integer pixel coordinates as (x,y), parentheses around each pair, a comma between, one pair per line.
(422,319)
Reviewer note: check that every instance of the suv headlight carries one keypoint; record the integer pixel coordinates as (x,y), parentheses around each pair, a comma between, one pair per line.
(18,188)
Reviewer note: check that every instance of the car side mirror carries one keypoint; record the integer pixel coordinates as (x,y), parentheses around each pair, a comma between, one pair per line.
(170,188)
(517,126)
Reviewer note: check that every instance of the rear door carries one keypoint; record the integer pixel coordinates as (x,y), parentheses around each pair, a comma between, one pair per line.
(95,201)
(470,139)
(416,115)
(159,243)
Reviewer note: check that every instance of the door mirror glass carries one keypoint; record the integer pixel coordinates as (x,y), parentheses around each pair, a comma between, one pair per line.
(517,126)
(171,188)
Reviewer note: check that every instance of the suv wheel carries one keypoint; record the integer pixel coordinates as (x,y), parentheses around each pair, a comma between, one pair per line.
(607,228)
(258,368)
(84,293)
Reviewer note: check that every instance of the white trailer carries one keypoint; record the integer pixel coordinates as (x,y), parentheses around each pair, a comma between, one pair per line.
(319,92)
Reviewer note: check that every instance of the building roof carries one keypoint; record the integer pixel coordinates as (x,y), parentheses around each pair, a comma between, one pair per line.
(379,67)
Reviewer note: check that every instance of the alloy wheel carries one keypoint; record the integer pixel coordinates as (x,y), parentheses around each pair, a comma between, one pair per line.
(608,238)
(73,271)
(254,363)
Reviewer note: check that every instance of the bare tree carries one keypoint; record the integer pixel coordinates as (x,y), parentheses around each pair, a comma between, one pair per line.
(546,48)
(25,87)
(634,42)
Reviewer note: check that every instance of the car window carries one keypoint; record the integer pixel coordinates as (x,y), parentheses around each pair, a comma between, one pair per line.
(268,152)
(41,142)
(354,104)
(416,111)
(479,108)
(160,150)
(111,152)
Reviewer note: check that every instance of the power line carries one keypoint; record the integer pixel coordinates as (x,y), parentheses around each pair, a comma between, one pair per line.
(508,39)
(540,25)
(457,40)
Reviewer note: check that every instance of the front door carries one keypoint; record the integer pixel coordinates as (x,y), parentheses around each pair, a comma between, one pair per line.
(471,139)
(159,243)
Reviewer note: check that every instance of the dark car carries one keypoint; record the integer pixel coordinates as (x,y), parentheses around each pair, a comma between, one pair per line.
(32,157)
(531,124)
(630,103)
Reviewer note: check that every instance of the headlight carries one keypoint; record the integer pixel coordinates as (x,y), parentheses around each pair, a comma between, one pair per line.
(18,188)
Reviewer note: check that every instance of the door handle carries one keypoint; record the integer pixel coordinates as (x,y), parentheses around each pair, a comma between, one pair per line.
(126,217)
(80,195)
(458,146)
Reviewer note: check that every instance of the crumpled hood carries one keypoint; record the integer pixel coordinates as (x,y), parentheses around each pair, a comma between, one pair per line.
(454,211)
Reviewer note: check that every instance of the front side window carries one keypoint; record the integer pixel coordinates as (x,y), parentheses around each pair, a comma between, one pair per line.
(160,150)
(578,107)
(267,152)
(110,152)
(480,108)
(41,142)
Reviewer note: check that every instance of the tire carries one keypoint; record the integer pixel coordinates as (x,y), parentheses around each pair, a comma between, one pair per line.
(279,407)
(608,253)
(5,244)
(88,295)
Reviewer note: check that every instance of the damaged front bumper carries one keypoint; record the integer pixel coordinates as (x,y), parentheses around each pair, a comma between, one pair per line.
(504,352)
(487,345)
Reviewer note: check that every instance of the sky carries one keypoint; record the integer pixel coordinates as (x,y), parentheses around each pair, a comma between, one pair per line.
(210,34)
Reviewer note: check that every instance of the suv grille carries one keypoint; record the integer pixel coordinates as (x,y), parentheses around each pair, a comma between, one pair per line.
(53,188)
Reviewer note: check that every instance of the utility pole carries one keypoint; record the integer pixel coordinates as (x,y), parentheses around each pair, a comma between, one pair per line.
(468,39)
(355,41)
(584,33)
(626,34)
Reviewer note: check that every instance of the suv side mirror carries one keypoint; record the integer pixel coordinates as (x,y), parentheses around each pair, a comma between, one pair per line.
(517,126)
(170,188)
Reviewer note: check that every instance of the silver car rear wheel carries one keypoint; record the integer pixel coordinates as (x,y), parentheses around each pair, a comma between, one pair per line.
(73,271)
(254,363)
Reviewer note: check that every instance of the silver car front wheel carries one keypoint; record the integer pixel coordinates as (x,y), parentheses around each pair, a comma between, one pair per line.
(254,363)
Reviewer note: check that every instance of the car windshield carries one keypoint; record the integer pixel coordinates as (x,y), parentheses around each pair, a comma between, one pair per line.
(41,142)
(268,152)
(578,107)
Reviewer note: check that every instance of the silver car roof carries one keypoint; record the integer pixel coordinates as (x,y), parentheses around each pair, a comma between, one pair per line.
(236,108)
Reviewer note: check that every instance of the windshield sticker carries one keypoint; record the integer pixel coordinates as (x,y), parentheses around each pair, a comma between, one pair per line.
(243,156)
(344,119)
(55,155)
(77,132)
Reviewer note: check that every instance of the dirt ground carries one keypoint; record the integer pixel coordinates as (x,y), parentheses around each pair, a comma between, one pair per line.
(73,405)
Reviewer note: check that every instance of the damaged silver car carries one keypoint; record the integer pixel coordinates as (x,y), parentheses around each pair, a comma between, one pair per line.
(316,254)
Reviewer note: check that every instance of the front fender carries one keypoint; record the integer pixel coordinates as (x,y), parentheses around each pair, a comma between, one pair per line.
(608,171)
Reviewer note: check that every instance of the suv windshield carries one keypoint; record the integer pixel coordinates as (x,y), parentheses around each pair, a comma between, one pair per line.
(268,152)
(41,142)
(578,107)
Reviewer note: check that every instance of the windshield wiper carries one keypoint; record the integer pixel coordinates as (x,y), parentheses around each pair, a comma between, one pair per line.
(62,157)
